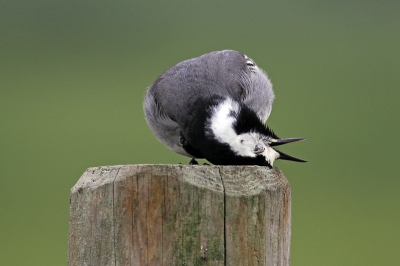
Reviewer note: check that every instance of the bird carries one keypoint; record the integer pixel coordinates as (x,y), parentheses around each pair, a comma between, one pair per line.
(215,107)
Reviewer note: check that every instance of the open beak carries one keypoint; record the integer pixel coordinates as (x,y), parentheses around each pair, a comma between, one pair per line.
(277,142)
(284,156)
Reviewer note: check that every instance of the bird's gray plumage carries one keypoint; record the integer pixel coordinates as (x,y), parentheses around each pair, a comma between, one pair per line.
(224,73)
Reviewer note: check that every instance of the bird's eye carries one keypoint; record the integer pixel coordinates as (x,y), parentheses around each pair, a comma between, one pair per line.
(241,141)
(258,148)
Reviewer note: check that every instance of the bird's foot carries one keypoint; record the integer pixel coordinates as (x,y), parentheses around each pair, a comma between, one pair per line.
(193,162)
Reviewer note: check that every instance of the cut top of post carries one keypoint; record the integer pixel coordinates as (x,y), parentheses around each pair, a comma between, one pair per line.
(232,180)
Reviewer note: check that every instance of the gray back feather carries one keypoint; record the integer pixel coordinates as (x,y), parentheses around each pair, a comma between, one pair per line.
(223,73)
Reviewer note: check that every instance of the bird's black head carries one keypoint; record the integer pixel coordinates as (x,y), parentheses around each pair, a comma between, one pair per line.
(234,135)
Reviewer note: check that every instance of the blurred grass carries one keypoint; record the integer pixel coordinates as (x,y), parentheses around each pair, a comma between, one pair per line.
(72,80)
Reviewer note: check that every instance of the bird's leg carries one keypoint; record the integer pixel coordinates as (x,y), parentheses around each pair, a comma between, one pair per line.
(193,162)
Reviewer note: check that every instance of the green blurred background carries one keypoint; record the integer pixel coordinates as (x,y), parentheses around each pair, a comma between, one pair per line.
(74,73)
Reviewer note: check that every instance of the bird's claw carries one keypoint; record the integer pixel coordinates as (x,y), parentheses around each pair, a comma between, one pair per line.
(193,162)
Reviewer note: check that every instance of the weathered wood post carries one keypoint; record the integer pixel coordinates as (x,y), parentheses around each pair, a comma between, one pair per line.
(180,215)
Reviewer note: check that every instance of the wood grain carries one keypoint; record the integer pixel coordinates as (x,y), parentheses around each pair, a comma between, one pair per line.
(180,215)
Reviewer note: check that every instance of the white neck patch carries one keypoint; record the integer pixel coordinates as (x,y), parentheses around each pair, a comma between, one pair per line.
(221,125)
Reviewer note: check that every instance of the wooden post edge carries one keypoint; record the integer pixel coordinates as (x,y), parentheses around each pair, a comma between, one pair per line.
(180,215)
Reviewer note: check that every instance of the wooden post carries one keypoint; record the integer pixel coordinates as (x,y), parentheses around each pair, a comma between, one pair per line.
(180,215)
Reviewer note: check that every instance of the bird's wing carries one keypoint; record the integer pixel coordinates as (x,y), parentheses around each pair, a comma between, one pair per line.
(229,73)
(257,89)
(165,128)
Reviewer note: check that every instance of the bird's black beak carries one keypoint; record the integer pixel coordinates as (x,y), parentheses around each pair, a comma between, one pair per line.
(284,156)
(277,142)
